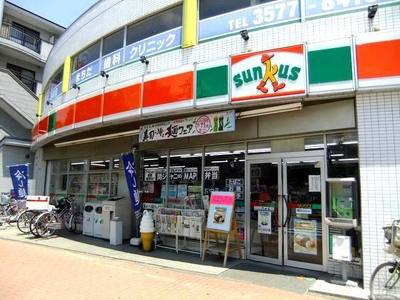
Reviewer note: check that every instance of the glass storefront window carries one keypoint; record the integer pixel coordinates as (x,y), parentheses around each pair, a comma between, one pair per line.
(154,174)
(77,188)
(98,186)
(342,155)
(113,42)
(224,167)
(161,22)
(185,178)
(87,56)
(77,166)
(59,166)
(312,143)
(96,165)
(116,163)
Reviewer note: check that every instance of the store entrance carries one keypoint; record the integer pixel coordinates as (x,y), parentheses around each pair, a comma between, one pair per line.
(285,209)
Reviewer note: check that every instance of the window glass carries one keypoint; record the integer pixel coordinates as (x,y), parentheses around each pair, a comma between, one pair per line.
(98,186)
(116,163)
(77,188)
(77,166)
(58,185)
(87,56)
(224,171)
(113,42)
(153,177)
(342,152)
(210,8)
(99,165)
(185,179)
(59,166)
(26,76)
(153,25)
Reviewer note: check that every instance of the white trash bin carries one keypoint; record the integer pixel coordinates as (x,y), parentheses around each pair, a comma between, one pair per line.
(116,231)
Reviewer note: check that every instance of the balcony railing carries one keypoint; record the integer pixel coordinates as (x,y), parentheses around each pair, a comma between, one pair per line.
(14,34)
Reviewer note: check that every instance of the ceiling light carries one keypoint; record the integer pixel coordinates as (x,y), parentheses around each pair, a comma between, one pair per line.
(269,110)
(219,161)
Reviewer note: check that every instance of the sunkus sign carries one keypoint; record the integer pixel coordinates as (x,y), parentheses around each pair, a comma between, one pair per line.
(271,73)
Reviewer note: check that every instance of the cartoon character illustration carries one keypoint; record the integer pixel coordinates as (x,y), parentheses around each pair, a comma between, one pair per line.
(270,71)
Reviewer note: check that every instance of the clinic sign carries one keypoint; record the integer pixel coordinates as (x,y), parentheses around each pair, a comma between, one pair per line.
(268,74)
(272,13)
(187,127)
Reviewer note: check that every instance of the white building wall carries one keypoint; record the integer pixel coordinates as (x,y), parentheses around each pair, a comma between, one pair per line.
(378,117)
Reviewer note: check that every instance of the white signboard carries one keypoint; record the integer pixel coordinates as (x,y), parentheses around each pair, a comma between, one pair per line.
(264,221)
(314,183)
(341,248)
(192,126)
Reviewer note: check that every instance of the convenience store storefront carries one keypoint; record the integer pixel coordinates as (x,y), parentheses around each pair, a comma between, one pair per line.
(294,137)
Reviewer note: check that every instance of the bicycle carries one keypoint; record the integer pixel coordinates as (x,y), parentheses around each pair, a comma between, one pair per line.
(46,223)
(385,280)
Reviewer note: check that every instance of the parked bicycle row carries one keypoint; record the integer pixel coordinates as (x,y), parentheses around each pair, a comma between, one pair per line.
(42,219)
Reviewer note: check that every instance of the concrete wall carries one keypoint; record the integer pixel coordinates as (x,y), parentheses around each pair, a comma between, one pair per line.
(13,128)
(10,155)
(378,117)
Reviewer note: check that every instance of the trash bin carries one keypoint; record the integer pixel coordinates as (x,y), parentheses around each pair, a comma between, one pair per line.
(115,231)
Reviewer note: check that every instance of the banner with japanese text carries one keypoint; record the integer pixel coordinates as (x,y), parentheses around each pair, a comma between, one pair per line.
(131,180)
(192,126)
(19,176)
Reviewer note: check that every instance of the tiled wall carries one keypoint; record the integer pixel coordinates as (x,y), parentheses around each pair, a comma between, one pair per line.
(378,117)
(99,24)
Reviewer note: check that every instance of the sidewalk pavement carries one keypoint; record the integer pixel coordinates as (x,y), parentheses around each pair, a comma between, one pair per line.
(289,279)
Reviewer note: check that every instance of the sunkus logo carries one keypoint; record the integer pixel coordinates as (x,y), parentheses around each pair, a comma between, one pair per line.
(272,73)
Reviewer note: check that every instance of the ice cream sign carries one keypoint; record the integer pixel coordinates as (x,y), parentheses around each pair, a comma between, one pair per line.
(271,73)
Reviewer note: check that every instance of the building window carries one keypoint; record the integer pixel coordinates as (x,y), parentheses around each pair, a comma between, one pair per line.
(211,8)
(87,56)
(26,76)
(25,36)
(342,152)
(155,24)
(113,42)
(54,88)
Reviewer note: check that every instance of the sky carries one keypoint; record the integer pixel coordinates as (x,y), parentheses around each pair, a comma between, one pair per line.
(62,12)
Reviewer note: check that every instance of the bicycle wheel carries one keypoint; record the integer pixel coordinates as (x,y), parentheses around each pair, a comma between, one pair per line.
(67,217)
(42,225)
(385,282)
(75,222)
(24,220)
(32,224)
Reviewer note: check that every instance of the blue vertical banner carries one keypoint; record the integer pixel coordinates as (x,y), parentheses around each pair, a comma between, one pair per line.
(131,180)
(19,176)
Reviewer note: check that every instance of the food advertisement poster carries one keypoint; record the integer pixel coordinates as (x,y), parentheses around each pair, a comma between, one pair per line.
(221,211)
(305,236)
(264,221)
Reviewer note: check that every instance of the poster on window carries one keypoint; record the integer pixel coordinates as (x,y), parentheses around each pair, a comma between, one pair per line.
(150,174)
(264,221)
(305,236)
(221,211)
(182,191)
(190,174)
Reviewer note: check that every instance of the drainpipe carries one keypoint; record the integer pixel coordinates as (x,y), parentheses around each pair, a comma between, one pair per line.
(1,11)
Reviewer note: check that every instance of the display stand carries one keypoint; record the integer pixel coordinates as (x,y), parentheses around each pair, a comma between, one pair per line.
(230,234)
(183,225)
